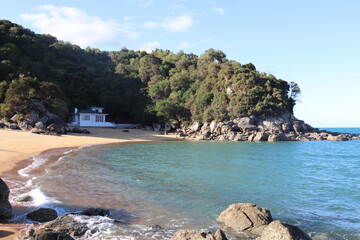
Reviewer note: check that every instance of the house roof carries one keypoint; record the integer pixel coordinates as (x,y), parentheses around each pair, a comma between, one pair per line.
(91,111)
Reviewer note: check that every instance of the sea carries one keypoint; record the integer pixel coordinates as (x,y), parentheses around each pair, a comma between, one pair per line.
(154,189)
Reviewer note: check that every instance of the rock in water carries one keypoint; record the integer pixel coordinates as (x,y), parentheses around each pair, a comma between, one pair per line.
(42,215)
(5,207)
(245,217)
(279,230)
(48,234)
(96,212)
(193,235)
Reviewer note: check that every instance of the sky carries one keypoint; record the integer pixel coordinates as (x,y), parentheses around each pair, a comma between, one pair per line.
(315,43)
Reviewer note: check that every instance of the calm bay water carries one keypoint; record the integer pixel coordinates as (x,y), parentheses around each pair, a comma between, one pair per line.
(314,185)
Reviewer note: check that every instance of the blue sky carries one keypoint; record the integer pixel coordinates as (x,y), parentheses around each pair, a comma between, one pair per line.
(313,43)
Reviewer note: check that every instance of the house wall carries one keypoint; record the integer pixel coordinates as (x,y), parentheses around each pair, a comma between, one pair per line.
(92,121)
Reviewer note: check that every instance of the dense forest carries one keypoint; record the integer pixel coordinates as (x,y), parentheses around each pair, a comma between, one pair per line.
(133,86)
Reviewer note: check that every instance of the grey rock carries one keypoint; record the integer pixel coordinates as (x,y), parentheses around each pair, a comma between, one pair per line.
(245,217)
(341,137)
(49,234)
(42,215)
(14,126)
(67,224)
(261,136)
(24,125)
(283,231)
(194,235)
(196,126)
(156,127)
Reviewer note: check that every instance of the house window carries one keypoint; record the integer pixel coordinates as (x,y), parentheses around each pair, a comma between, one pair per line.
(86,118)
(99,118)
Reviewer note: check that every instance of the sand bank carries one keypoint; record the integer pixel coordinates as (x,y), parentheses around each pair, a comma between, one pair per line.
(17,145)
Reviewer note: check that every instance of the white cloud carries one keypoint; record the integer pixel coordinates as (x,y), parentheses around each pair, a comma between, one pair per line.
(219,10)
(176,24)
(74,25)
(185,45)
(149,46)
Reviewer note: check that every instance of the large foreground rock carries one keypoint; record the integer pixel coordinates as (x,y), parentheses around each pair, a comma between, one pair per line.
(64,227)
(245,217)
(42,215)
(277,230)
(5,207)
(193,235)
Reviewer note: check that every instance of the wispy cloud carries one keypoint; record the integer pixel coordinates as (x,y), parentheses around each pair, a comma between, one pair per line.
(176,24)
(76,26)
(149,46)
(219,10)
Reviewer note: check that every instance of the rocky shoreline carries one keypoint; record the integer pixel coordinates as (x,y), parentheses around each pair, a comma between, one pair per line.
(284,128)
(239,218)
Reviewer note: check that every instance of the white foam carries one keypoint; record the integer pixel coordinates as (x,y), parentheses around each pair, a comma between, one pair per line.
(38,160)
(40,198)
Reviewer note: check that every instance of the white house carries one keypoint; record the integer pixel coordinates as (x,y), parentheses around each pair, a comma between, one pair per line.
(92,117)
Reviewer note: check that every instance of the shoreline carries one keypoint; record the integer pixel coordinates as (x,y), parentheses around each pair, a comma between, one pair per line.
(17,149)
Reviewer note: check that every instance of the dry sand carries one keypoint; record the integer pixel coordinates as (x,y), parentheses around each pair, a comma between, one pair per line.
(17,145)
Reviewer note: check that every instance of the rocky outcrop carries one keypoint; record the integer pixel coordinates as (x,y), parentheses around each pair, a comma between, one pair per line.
(283,128)
(245,217)
(38,120)
(194,235)
(64,227)
(283,231)
(5,207)
(42,215)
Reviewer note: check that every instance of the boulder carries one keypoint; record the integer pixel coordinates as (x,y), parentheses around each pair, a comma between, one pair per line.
(42,215)
(49,234)
(245,217)
(67,224)
(5,207)
(13,126)
(276,137)
(194,235)
(24,125)
(2,125)
(205,129)
(246,123)
(212,126)
(279,230)
(195,126)
(341,137)
(156,127)
(32,118)
(261,136)
(39,125)
(96,212)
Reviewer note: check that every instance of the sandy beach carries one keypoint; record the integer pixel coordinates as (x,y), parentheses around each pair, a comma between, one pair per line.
(16,146)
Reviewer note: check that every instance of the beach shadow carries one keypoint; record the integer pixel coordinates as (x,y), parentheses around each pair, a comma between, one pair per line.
(4,234)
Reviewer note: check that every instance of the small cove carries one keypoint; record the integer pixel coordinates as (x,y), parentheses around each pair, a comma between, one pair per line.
(314,185)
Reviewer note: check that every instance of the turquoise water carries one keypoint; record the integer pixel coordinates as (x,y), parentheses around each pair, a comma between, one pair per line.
(314,185)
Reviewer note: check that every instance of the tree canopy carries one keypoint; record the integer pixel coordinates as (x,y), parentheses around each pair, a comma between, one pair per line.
(134,86)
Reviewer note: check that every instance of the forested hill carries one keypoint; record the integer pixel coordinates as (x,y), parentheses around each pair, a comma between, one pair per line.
(132,86)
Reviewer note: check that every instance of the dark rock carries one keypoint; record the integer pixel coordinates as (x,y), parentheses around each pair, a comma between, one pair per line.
(42,215)
(67,224)
(284,231)
(156,127)
(5,207)
(49,234)
(96,212)
(13,126)
(125,130)
(25,199)
(245,217)
(2,125)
